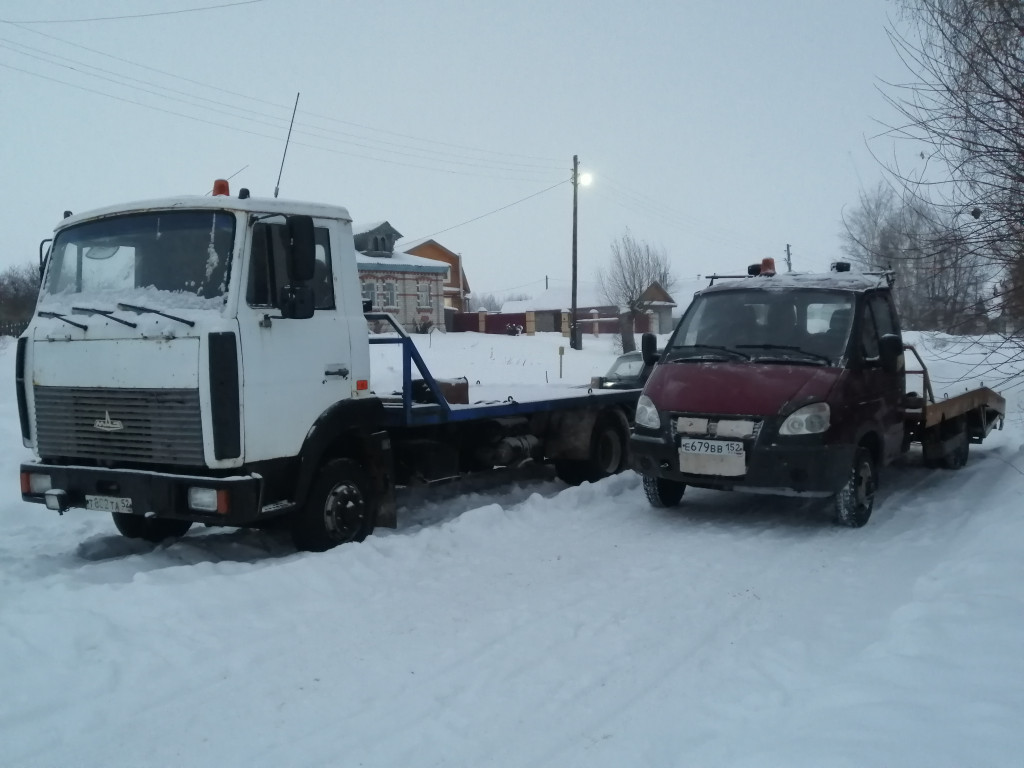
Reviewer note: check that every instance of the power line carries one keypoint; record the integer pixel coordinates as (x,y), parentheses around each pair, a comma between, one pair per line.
(489,213)
(489,174)
(320,133)
(282,122)
(277,105)
(134,15)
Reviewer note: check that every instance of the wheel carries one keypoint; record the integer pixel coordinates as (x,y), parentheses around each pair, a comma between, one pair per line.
(662,492)
(935,455)
(957,457)
(154,529)
(856,499)
(608,446)
(338,510)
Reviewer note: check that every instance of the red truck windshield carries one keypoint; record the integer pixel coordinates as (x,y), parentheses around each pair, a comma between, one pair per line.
(808,325)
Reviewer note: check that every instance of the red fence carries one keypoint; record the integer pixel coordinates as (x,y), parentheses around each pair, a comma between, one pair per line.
(494,322)
(498,322)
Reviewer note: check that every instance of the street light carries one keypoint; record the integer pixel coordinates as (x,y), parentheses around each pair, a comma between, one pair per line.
(575,342)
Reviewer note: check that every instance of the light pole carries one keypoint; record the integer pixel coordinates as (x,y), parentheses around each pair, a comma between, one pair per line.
(575,342)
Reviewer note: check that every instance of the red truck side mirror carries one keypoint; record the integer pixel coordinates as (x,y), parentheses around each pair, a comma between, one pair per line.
(890,348)
(649,348)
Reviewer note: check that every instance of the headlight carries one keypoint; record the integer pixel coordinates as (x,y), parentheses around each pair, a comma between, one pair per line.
(810,420)
(39,483)
(646,414)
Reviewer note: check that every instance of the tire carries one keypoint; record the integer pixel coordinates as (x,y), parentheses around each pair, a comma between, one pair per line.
(855,501)
(154,529)
(339,508)
(608,454)
(934,458)
(661,492)
(956,458)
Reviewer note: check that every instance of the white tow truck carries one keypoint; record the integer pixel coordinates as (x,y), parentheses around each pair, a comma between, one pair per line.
(206,360)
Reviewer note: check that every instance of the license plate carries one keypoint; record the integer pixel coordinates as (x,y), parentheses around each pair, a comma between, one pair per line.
(108,503)
(712,447)
(725,458)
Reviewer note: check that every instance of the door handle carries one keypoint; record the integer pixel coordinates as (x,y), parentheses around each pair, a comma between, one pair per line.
(336,370)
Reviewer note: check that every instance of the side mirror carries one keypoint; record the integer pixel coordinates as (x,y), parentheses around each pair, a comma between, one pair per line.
(300,259)
(649,348)
(296,301)
(890,350)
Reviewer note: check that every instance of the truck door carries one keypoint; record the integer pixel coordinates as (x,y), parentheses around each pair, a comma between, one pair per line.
(292,370)
(883,391)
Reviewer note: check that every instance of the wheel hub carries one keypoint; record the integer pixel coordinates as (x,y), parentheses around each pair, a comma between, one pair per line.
(344,512)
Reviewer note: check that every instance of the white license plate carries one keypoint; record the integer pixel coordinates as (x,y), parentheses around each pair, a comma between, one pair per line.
(711,447)
(108,503)
(725,458)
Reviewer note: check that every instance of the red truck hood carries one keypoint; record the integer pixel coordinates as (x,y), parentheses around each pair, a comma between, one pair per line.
(753,389)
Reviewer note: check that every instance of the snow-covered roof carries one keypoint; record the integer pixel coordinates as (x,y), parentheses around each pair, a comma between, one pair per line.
(836,281)
(399,262)
(359,228)
(558,298)
(588,294)
(211,202)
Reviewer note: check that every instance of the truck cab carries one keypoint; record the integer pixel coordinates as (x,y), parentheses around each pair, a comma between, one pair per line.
(786,384)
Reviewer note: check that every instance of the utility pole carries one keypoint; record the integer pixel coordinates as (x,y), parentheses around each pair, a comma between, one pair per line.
(574,337)
(789,262)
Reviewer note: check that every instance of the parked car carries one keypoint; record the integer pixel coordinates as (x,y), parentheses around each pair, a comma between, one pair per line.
(627,372)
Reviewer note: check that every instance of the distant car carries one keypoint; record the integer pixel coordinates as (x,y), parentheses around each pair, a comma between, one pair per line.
(627,372)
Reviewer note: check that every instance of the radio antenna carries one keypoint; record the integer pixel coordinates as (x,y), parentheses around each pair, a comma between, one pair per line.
(286,141)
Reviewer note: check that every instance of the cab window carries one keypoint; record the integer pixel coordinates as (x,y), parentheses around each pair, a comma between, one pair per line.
(267,272)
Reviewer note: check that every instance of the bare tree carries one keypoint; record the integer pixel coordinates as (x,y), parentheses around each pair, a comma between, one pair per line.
(635,267)
(493,302)
(19,287)
(940,281)
(487,301)
(966,106)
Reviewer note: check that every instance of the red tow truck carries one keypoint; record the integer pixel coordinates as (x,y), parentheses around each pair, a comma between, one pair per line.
(794,384)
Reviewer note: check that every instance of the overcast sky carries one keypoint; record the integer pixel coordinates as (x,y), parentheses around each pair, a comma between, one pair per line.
(718,131)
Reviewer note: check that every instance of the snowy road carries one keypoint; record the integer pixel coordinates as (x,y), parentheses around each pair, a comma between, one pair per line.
(535,625)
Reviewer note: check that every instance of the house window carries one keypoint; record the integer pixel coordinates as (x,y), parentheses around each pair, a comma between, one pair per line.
(389,294)
(369,292)
(423,295)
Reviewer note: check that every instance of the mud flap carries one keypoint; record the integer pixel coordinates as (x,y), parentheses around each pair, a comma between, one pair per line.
(380,466)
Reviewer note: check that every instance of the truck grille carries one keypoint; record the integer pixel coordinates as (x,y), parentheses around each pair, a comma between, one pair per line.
(713,426)
(157,426)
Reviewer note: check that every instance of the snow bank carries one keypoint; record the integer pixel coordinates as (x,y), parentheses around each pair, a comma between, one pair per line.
(532,624)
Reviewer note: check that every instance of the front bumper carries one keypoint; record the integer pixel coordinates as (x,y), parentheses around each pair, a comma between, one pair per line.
(815,470)
(151,493)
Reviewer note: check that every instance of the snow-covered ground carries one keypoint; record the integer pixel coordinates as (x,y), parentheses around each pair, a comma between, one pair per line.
(535,624)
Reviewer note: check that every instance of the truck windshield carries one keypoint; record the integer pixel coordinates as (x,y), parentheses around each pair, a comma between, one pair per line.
(810,326)
(165,258)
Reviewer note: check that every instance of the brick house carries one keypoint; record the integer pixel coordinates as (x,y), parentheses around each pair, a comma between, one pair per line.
(456,287)
(409,287)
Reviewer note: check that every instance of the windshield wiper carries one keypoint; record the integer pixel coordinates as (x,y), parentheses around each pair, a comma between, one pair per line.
(59,316)
(147,310)
(716,347)
(789,348)
(107,313)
